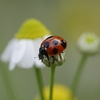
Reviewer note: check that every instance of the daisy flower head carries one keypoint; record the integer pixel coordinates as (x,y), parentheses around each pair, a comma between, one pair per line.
(89,43)
(22,49)
(60,92)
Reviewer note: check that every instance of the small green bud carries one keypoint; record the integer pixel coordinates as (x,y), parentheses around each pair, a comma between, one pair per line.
(89,43)
(57,60)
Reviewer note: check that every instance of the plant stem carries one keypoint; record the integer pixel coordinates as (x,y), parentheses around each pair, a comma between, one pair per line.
(40,81)
(52,81)
(7,84)
(78,75)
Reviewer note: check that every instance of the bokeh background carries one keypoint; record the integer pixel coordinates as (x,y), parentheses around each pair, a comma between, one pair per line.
(66,18)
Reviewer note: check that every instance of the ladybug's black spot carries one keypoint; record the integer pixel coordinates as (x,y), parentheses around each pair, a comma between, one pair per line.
(55,42)
(55,50)
(63,43)
(46,44)
(49,37)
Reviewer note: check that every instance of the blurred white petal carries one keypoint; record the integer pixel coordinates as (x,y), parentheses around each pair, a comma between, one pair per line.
(38,62)
(18,51)
(6,55)
(12,66)
(22,52)
(28,58)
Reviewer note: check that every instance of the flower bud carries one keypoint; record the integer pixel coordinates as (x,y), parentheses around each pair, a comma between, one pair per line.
(56,60)
(89,43)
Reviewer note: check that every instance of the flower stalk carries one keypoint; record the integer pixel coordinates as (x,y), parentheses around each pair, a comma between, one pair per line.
(40,81)
(7,84)
(78,75)
(52,81)
(54,61)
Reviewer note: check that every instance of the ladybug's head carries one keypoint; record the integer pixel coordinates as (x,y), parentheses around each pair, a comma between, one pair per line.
(42,53)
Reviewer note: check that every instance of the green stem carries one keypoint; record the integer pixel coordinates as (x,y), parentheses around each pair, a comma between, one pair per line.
(40,81)
(78,74)
(52,81)
(7,84)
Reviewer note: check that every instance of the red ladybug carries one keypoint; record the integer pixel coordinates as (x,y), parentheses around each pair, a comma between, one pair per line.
(52,46)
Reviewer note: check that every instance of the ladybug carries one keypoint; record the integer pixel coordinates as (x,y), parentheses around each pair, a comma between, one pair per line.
(52,46)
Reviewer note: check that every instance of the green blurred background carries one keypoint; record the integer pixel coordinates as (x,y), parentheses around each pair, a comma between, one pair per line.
(67,18)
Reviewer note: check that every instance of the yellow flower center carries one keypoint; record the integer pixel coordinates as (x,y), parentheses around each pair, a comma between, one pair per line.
(60,92)
(90,40)
(32,29)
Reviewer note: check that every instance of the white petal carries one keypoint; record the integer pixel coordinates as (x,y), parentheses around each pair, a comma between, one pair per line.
(12,66)
(18,51)
(28,59)
(6,55)
(38,62)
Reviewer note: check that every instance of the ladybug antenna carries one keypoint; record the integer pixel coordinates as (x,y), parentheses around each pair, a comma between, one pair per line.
(36,57)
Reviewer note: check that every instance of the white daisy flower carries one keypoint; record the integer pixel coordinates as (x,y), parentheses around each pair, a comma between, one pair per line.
(89,43)
(24,47)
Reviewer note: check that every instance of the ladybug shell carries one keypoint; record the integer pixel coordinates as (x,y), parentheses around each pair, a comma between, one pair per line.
(54,45)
